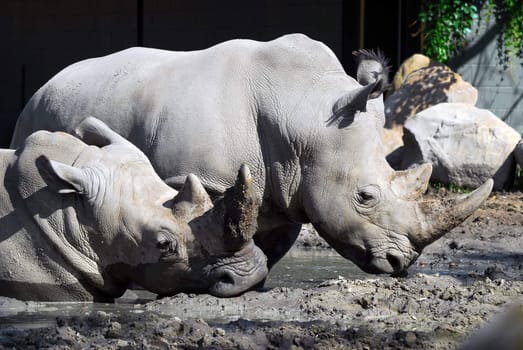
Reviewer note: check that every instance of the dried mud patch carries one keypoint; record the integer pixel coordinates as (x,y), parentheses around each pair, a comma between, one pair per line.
(423,312)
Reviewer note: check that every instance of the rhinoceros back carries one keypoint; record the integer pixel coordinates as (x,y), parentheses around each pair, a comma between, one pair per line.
(176,106)
(190,112)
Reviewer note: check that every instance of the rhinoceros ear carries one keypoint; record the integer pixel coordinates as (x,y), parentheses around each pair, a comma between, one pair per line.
(95,132)
(61,177)
(373,67)
(355,100)
(192,200)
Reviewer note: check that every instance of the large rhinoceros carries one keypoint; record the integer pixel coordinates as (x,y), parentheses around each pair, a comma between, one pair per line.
(310,133)
(81,222)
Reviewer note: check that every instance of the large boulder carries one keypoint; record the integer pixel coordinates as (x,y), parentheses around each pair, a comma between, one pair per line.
(393,145)
(466,145)
(424,88)
(419,84)
(414,62)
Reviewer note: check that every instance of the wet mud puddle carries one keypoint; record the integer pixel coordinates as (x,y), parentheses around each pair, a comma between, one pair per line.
(307,268)
(300,268)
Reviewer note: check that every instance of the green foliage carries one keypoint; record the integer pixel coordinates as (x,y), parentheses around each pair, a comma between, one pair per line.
(446,25)
(509,13)
(518,179)
(452,188)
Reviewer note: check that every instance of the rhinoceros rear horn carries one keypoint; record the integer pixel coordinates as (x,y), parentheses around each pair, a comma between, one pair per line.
(192,200)
(241,209)
(440,216)
(95,132)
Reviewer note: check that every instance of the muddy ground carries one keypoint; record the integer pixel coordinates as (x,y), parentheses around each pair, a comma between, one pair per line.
(470,278)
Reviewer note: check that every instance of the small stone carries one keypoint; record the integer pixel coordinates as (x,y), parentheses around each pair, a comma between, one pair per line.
(120,343)
(99,318)
(219,332)
(113,330)
(410,339)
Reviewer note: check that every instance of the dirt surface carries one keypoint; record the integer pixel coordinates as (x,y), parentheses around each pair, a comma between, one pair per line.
(473,276)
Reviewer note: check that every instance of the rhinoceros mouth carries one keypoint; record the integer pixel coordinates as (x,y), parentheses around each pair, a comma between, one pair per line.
(234,275)
(391,263)
(376,260)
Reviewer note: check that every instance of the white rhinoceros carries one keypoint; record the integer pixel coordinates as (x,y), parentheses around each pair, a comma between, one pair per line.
(286,107)
(81,222)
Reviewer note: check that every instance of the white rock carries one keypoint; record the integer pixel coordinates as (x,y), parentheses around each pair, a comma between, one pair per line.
(466,145)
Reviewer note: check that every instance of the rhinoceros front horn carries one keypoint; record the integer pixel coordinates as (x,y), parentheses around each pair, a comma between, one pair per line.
(440,216)
(241,210)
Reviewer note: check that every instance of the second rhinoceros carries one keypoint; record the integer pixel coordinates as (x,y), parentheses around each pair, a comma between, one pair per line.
(81,222)
(286,107)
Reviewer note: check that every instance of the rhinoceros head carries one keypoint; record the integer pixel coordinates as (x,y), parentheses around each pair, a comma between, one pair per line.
(216,243)
(139,229)
(369,213)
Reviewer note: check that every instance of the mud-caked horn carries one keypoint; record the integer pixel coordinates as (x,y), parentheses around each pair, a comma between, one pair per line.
(440,216)
(241,209)
(192,200)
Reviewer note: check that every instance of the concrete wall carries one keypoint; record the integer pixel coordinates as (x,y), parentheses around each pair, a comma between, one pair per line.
(191,25)
(498,91)
(39,38)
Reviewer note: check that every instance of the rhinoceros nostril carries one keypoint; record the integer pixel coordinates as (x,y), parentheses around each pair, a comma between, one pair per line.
(225,277)
(395,262)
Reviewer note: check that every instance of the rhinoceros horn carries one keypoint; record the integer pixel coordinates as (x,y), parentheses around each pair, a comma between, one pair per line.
(410,184)
(236,212)
(192,200)
(95,132)
(241,209)
(437,217)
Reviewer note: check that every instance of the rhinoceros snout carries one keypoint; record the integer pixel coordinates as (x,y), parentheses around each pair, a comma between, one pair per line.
(391,263)
(241,274)
(396,262)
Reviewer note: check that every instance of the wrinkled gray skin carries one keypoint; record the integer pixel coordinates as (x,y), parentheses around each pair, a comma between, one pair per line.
(81,222)
(309,132)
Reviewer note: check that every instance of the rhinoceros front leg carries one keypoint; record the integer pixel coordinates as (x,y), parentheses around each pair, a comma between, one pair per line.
(276,242)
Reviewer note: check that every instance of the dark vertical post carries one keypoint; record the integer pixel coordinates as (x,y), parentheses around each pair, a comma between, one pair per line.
(399,44)
(361,39)
(22,87)
(350,34)
(139,22)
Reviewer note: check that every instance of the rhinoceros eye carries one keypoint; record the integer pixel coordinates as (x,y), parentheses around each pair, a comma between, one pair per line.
(365,196)
(167,244)
(368,196)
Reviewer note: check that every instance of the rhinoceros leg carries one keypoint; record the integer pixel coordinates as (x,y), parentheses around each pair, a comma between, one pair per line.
(276,242)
